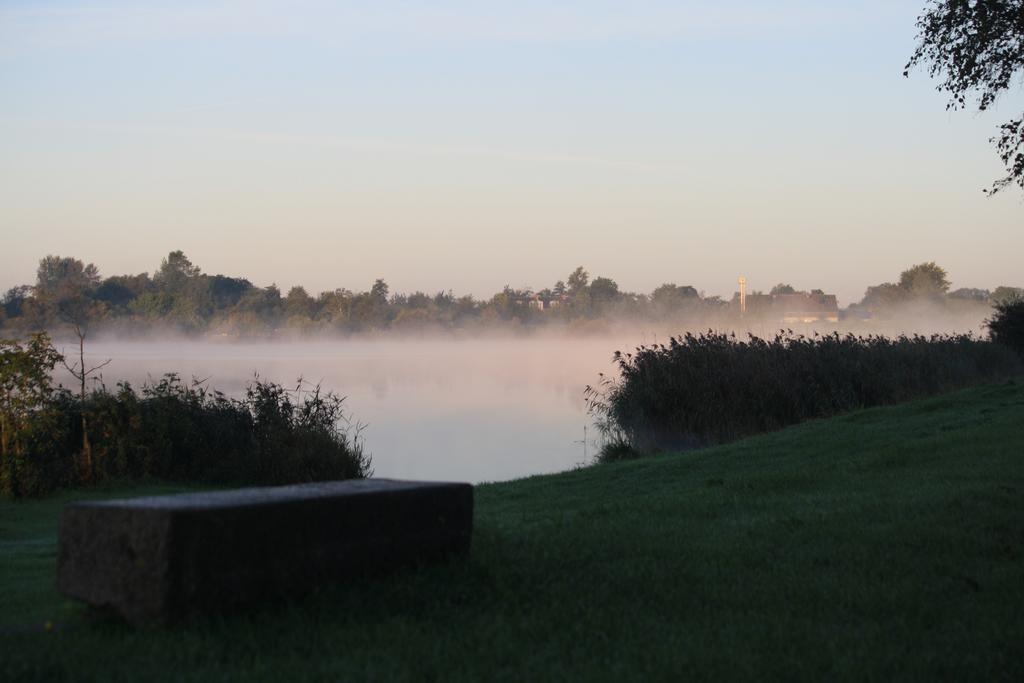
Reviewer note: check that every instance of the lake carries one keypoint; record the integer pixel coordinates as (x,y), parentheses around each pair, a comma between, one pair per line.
(470,410)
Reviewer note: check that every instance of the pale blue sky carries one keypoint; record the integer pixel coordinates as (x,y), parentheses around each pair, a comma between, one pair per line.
(473,144)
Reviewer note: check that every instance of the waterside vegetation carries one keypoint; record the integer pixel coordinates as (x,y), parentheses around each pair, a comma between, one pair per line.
(169,430)
(709,388)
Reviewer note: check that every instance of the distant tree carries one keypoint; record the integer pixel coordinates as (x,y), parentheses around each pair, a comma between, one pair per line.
(713,302)
(664,293)
(262,304)
(603,291)
(884,295)
(925,280)
(379,291)
(782,288)
(509,303)
(58,276)
(578,293)
(175,271)
(977,48)
(150,306)
(116,292)
(13,300)
(333,308)
(64,289)
(444,300)
(370,310)
(578,280)
(298,303)
(418,300)
(1003,294)
(466,308)
(670,298)
(226,292)
(558,289)
(181,296)
(970,294)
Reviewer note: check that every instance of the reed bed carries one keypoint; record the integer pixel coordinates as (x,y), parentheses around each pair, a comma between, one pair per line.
(708,388)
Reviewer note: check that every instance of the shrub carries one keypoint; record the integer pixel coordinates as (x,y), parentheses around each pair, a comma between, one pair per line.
(181,432)
(711,388)
(26,418)
(1006,326)
(171,430)
(617,448)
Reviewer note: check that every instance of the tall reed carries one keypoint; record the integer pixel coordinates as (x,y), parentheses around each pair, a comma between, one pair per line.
(708,388)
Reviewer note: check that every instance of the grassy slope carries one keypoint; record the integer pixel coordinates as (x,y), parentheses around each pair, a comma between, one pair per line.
(887,543)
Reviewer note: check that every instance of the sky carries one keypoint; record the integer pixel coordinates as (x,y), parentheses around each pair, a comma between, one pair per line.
(470,145)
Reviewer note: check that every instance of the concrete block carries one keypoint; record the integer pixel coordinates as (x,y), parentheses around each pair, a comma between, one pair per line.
(162,557)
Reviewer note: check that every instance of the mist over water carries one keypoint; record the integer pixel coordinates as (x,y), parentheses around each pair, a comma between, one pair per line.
(471,410)
(475,408)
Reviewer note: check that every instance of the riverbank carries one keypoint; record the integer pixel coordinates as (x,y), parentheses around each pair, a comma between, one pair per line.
(886,543)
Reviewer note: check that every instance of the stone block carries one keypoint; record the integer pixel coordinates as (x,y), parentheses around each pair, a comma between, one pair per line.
(162,557)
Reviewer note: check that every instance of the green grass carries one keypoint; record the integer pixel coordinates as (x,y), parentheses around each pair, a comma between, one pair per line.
(883,544)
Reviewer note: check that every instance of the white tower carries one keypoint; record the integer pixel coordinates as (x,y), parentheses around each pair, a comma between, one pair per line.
(743,295)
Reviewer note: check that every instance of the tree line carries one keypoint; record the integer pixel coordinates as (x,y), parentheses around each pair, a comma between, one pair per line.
(69,294)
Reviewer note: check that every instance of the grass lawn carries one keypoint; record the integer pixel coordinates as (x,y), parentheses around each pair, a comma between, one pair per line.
(883,544)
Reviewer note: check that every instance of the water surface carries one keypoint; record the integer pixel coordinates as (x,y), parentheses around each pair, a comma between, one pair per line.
(470,410)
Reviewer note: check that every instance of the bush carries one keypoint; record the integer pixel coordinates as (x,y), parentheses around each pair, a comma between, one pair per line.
(1006,326)
(617,448)
(27,420)
(174,431)
(711,388)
